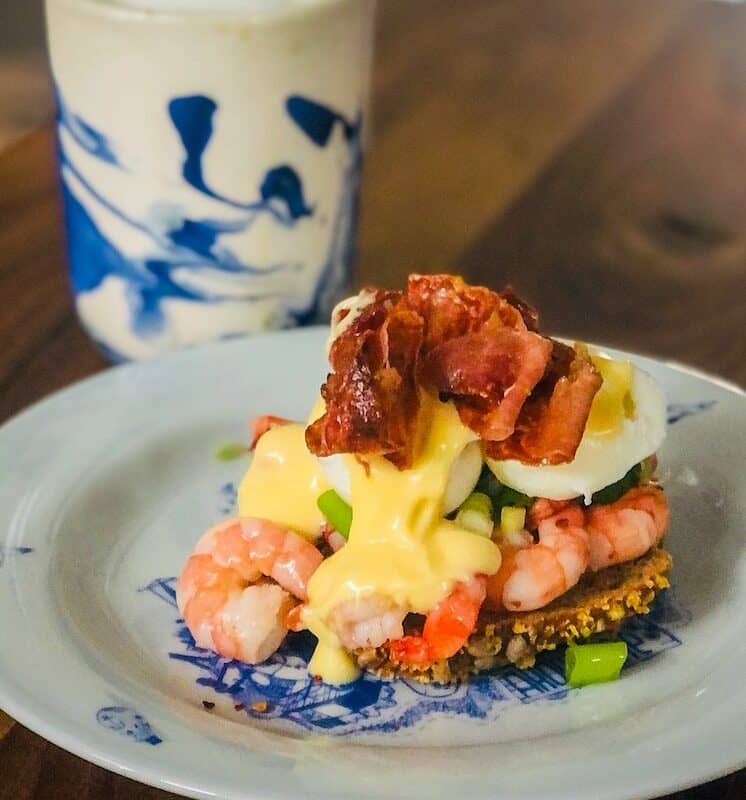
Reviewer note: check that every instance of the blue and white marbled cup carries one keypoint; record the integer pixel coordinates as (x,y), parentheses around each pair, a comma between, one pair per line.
(210,162)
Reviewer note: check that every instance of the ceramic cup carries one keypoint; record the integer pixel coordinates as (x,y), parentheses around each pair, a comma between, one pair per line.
(210,154)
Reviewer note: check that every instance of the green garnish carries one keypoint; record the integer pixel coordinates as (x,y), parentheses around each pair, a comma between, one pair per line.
(231,451)
(475,514)
(594,663)
(337,512)
(512,497)
(512,520)
(612,492)
(499,494)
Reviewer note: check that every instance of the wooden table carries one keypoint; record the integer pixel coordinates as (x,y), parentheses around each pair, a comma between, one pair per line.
(591,153)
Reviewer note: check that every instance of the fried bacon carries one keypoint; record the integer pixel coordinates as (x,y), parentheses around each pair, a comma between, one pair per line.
(527,396)
(371,395)
(452,308)
(489,376)
(551,423)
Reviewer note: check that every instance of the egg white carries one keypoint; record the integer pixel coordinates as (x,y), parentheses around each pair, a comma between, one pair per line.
(353,306)
(338,476)
(462,478)
(599,460)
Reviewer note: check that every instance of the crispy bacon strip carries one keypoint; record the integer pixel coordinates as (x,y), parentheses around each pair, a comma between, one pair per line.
(480,350)
(452,308)
(525,395)
(371,395)
(551,423)
(528,313)
(489,375)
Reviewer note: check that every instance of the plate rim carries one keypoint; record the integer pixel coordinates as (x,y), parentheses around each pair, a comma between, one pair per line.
(131,766)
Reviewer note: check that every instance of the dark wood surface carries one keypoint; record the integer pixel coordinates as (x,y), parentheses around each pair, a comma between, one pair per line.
(589,152)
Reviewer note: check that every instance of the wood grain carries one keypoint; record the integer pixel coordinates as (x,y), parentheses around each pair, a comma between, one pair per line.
(33,285)
(588,151)
(6,723)
(472,101)
(67,355)
(636,234)
(33,769)
(25,89)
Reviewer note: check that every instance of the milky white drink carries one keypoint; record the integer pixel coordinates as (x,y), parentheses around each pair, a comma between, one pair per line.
(210,155)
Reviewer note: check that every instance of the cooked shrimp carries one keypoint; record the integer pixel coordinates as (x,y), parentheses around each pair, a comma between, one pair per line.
(294,619)
(333,538)
(627,528)
(224,607)
(509,546)
(281,554)
(260,425)
(532,576)
(542,509)
(368,622)
(447,626)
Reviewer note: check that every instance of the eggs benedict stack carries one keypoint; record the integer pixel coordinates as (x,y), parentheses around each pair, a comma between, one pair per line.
(473,491)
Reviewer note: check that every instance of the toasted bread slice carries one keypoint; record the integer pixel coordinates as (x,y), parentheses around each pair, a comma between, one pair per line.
(599,603)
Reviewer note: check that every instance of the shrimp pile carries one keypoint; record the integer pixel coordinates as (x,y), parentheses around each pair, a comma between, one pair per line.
(572,540)
(241,583)
(243,587)
(447,626)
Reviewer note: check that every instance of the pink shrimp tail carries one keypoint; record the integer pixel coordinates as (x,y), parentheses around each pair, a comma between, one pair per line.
(447,627)
(628,528)
(542,509)
(260,425)
(531,577)
(281,554)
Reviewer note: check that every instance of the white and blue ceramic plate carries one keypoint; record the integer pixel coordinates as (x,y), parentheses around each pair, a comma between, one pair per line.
(104,490)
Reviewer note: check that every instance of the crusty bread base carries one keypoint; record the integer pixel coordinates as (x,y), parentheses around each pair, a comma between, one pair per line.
(597,605)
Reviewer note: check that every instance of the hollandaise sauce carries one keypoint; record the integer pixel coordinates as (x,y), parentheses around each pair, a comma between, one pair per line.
(283,482)
(613,402)
(400,547)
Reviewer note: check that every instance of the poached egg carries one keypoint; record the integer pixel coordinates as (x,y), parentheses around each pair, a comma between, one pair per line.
(462,476)
(627,423)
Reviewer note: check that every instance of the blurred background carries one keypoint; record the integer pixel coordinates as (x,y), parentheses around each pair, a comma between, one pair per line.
(25,89)
(589,151)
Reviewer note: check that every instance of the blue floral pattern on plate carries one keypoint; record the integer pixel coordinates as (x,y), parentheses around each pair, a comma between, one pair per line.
(679,411)
(282,689)
(228,497)
(127,722)
(11,552)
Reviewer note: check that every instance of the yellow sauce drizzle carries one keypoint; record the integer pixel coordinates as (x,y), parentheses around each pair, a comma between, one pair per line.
(400,547)
(613,401)
(283,482)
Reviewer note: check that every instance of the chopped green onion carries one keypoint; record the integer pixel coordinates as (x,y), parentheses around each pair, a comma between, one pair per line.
(231,451)
(594,663)
(337,512)
(512,519)
(612,492)
(479,502)
(475,514)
